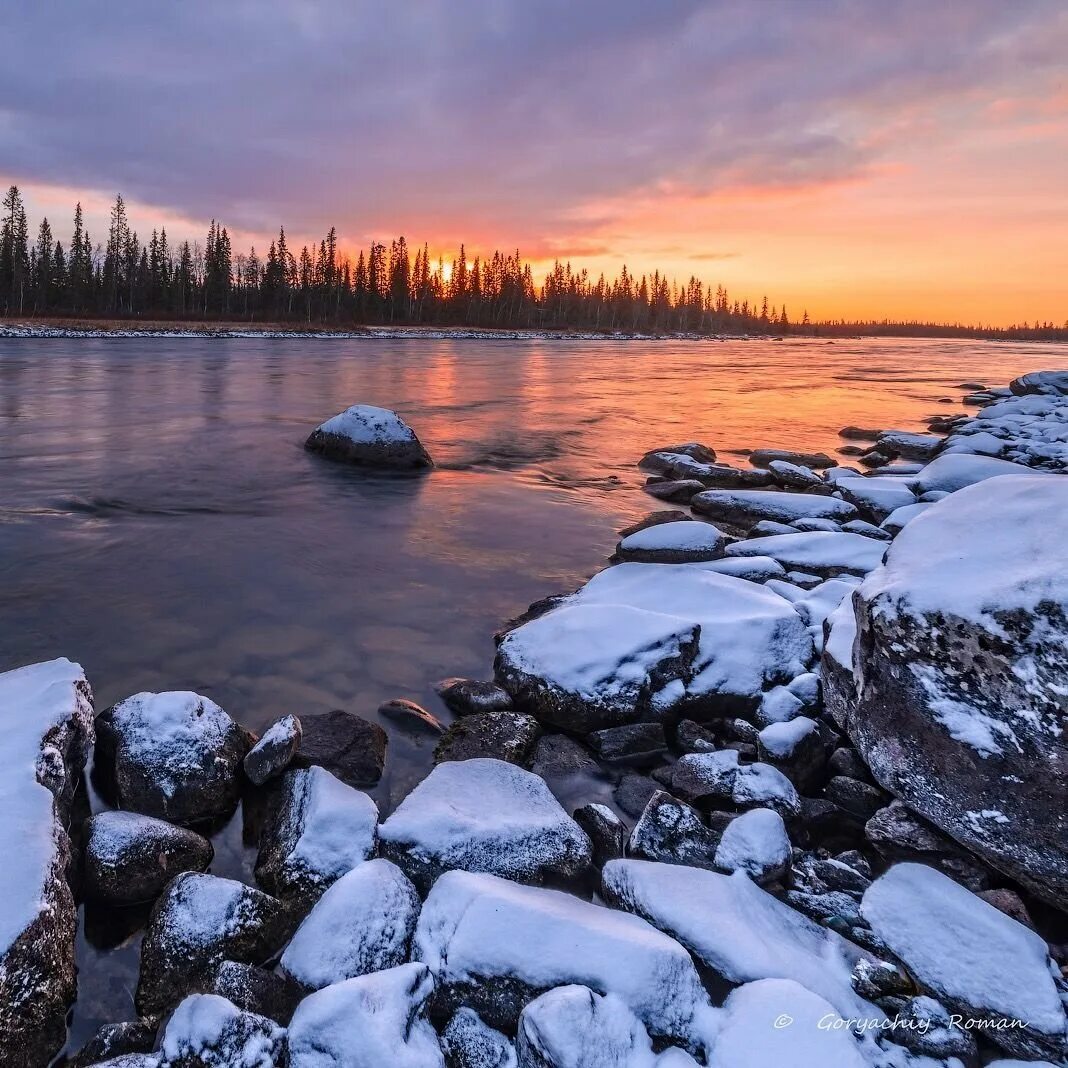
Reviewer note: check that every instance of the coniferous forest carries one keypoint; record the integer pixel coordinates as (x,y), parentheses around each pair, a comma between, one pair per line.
(123,277)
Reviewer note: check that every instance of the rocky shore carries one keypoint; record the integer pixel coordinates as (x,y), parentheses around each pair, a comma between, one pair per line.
(831,701)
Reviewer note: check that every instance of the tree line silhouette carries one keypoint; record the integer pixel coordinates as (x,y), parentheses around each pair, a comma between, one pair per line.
(126,278)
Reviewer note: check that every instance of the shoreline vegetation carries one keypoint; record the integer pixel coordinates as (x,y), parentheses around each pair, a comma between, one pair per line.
(125,284)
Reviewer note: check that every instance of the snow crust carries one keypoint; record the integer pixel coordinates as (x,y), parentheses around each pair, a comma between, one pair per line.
(738,930)
(363,923)
(817,550)
(486,815)
(369,425)
(482,929)
(34,701)
(960,947)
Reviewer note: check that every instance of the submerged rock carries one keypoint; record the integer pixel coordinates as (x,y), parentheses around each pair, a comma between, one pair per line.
(130,858)
(369,437)
(174,755)
(488,816)
(961,658)
(46,714)
(410,717)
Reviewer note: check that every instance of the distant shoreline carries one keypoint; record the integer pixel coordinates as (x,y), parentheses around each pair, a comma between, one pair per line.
(22,327)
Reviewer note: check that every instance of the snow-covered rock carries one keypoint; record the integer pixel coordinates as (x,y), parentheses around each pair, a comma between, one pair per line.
(363,923)
(878,495)
(574,1027)
(494,945)
(173,755)
(469,1042)
(46,714)
(673,543)
(367,1022)
(370,437)
(488,816)
(756,843)
(199,921)
(899,518)
(131,858)
(822,551)
(743,508)
(1049,383)
(775,1022)
(319,829)
(752,568)
(737,930)
(960,661)
(910,445)
(971,956)
(272,754)
(672,831)
(720,778)
(954,471)
(1030,429)
(640,639)
(207,1031)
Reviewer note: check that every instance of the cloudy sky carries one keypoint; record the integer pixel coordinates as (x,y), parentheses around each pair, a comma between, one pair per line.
(853,157)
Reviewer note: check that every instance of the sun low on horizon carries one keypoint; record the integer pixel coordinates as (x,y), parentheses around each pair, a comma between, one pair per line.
(847,160)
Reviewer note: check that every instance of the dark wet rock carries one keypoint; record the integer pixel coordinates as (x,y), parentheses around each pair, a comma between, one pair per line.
(605,829)
(116,1040)
(347,745)
(46,714)
(559,754)
(671,831)
(507,736)
(972,387)
(691,737)
(962,651)
(633,791)
(254,989)
(463,697)
(877,979)
(275,750)
(909,446)
(858,433)
(410,717)
(318,828)
(632,744)
(846,761)
(369,437)
(199,921)
(874,458)
(764,457)
(206,1031)
(725,477)
(443,824)
(175,755)
(469,1042)
(130,858)
(830,826)
(860,798)
(675,491)
(1009,902)
(653,519)
(851,450)
(897,833)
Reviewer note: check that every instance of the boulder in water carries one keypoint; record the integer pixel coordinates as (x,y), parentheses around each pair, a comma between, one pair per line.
(369,437)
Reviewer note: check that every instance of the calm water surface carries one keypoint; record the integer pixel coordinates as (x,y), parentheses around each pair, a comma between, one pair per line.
(161,523)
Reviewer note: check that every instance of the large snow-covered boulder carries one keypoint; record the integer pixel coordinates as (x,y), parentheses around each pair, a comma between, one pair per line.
(367,1022)
(743,508)
(738,931)
(574,1027)
(971,956)
(673,543)
(960,662)
(131,858)
(46,715)
(199,921)
(363,923)
(494,945)
(640,640)
(207,1031)
(175,755)
(369,437)
(484,815)
(318,829)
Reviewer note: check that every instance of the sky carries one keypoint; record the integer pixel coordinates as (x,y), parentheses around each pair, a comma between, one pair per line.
(851,158)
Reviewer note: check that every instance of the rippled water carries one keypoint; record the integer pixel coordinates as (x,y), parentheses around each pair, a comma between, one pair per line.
(161,523)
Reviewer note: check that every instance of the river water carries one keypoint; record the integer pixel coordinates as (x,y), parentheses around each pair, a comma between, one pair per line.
(161,523)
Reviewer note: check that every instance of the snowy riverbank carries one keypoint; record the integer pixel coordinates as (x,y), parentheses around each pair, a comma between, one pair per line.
(837,834)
